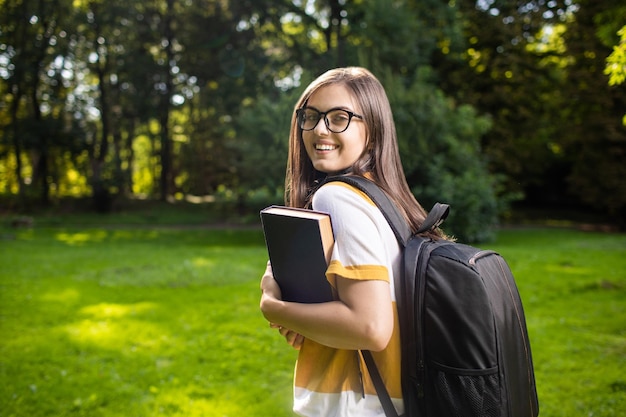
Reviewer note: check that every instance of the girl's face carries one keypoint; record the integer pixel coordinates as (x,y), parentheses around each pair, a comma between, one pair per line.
(334,152)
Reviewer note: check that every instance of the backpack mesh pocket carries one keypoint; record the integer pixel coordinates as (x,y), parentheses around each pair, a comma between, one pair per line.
(464,393)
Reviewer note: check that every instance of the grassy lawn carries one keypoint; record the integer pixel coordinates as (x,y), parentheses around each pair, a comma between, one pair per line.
(108,321)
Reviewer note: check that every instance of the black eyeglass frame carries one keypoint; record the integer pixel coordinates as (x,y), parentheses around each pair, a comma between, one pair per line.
(322,115)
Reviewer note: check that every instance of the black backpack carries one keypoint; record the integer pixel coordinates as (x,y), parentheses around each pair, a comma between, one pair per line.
(465,347)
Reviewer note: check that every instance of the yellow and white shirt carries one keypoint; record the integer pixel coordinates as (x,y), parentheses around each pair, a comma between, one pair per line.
(333,382)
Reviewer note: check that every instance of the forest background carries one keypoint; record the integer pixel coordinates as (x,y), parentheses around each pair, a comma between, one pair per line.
(497,102)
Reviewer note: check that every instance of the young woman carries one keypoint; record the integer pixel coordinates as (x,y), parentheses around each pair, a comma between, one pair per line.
(343,124)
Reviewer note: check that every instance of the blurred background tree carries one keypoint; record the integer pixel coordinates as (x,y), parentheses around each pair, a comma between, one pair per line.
(495,100)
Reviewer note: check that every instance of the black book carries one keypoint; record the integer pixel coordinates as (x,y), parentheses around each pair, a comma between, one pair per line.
(299,243)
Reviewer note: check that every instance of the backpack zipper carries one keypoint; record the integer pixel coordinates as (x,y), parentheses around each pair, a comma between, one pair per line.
(420,277)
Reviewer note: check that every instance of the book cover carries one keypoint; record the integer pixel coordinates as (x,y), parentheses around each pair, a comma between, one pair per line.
(299,244)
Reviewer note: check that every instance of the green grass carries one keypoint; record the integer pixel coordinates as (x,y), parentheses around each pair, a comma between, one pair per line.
(574,289)
(164,322)
(137,323)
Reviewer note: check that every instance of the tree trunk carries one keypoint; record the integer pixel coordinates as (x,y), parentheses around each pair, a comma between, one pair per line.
(41,167)
(164,111)
(100,190)
(17,142)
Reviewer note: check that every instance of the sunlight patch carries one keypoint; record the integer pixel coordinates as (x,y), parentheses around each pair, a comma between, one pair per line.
(128,335)
(78,239)
(113,326)
(106,310)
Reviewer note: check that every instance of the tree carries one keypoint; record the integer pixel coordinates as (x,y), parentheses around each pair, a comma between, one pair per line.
(595,143)
(35,87)
(535,67)
(171,98)
(508,68)
(616,63)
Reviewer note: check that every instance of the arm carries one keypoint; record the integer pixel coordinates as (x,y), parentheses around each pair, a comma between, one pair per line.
(362,318)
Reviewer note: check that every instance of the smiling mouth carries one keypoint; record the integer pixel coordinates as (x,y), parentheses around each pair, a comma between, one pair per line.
(322,147)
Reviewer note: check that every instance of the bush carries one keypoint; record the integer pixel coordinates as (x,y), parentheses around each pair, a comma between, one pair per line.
(440,149)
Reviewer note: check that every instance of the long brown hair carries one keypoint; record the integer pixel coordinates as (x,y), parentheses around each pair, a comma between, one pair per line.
(380,159)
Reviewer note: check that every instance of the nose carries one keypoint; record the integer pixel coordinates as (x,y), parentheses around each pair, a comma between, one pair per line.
(321,128)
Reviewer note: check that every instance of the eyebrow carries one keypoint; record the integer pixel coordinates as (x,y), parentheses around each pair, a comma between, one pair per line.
(331,109)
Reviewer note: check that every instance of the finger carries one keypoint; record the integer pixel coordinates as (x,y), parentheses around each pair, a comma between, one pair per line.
(294,339)
(297,342)
(290,337)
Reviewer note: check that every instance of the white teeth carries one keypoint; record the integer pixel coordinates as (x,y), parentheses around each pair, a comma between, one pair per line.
(321,147)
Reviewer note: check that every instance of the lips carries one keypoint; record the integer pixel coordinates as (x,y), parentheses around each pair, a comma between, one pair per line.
(325,147)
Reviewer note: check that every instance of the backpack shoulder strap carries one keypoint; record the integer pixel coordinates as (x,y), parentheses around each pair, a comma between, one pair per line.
(377,380)
(398,224)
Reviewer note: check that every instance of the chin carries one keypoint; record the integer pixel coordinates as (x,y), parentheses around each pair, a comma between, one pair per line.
(329,170)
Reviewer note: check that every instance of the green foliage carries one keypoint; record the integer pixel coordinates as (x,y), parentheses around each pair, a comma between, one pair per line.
(263,139)
(157,321)
(259,151)
(616,61)
(440,149)
(537,71)
(598,136)
(105,98)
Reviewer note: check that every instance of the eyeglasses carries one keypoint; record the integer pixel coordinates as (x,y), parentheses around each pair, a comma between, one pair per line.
(336,120)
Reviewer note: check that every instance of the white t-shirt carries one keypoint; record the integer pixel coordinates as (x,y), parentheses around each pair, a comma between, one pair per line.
(334,382)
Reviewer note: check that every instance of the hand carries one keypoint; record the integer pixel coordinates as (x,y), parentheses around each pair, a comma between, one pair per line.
(269,286)
(270,295)
(293,338)
(271,292)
